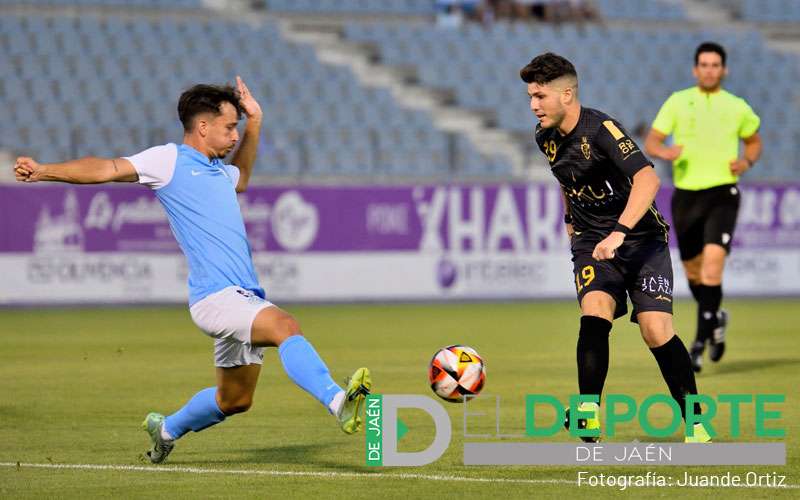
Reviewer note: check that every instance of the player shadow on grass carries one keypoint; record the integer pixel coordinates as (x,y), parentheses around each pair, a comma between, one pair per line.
(747,365)
(298,454)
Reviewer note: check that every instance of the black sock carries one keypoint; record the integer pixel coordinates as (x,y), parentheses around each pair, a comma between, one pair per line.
(593,354)
(710,298)
(676,368)
(695,288)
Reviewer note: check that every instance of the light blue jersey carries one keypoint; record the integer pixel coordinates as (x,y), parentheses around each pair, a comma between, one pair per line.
(199,197)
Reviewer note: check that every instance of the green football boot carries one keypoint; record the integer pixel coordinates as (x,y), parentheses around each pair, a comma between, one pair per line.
(358,386)
(700,435)
(152,424)
(587,423)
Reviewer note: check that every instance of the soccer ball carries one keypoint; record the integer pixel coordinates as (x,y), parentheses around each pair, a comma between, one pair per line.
(456,371)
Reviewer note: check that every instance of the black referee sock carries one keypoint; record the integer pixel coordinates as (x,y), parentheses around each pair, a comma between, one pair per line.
(697,293)
(593,354)
(676,368)
(707,307)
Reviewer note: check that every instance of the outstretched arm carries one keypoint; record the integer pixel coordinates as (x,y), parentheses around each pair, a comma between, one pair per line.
(90,170)
(245,156)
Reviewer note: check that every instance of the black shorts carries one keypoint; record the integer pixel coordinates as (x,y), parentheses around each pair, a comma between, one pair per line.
(640,269)
(705,216)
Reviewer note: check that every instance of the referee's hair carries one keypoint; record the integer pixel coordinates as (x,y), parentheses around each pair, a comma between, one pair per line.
(547,67)
(709,47)
(203,98)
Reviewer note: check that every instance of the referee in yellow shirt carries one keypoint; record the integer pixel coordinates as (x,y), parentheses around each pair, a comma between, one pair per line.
(706,124)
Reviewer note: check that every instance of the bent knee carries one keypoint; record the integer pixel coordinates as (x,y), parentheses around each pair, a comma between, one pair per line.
(656,338)
(692,273)
(598,303)
(273,326)
(285,328)
(234,407)
(290,326)
(711,275)
(656,328)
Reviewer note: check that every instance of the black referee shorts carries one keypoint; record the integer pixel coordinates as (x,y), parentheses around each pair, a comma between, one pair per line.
(705,216)
(641,269)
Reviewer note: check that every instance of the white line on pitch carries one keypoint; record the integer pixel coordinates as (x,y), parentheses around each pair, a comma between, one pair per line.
(247,472)
(333,475)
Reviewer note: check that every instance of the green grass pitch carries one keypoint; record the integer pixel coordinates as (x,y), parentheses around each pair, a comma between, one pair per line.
(76,383)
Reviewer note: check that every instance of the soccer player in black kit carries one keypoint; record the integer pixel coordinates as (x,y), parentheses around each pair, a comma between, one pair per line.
(618,237)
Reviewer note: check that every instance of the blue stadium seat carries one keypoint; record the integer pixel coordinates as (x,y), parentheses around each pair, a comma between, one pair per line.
(102,73)
(471,67)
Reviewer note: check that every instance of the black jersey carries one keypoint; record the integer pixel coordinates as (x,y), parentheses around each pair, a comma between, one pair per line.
(594,164)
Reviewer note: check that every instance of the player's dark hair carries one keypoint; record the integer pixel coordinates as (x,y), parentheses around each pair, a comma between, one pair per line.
(709,47)
(547,67)
(203,98)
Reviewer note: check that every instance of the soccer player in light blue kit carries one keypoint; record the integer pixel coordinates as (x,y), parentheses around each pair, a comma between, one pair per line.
(198,192)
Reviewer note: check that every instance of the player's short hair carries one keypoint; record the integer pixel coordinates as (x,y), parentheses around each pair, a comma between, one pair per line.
(547,67)
(203,98)
(709,47)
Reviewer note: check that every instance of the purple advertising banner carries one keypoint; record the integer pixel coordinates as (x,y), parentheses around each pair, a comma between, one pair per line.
(519,218)
(64,244)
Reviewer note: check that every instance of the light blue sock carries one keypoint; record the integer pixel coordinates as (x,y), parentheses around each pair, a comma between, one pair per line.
(199,413)
(306,369)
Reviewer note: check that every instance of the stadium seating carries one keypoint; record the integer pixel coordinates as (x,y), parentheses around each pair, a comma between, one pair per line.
(611,9)
(661,10)
(630,77)
(770,11)
(401,7)
(151,4)
(114,81)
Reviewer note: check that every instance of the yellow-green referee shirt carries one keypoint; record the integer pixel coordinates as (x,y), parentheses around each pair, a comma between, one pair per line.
(709,127)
